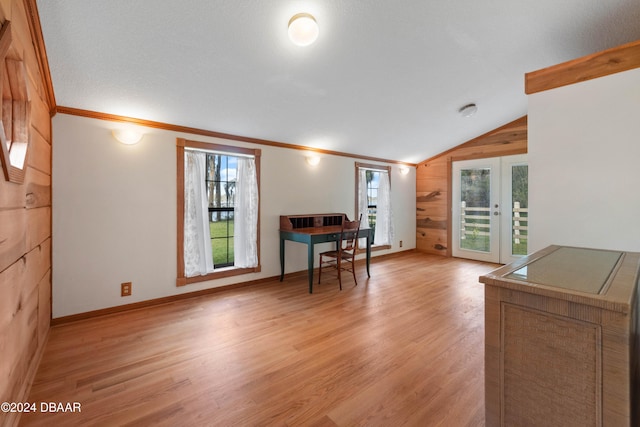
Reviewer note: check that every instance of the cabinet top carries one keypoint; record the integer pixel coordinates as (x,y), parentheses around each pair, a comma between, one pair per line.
(603,278)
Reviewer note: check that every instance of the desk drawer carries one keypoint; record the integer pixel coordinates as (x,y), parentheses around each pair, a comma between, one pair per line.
(332,237)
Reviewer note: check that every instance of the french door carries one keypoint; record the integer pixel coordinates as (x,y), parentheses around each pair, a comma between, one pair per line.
(490,209)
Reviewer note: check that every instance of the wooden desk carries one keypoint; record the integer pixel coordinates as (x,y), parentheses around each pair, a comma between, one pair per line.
(561,339)
(317,234)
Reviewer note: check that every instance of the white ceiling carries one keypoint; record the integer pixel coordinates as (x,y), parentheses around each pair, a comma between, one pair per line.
(384,79)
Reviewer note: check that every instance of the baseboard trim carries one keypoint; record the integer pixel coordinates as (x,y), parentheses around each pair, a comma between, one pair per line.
(165,300)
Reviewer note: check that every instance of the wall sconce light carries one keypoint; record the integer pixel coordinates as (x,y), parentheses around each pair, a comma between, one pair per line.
(404,170)
(127,136)
(303,29)
(313,160)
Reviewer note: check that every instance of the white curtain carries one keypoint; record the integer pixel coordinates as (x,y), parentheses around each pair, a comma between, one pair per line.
(363,204)
(245,238)
(198,260)
(384,223)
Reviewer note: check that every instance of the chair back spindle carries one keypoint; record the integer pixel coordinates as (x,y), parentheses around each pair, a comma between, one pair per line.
(344,256)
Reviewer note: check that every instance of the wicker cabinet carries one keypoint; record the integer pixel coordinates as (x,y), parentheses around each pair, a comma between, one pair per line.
(561,339)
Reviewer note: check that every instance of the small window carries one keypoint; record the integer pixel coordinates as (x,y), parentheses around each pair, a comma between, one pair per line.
(218,211)
(15,119)
(373,202)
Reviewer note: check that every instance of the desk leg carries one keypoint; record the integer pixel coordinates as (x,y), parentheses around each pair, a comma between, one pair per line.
(310,266)
(368,254)
(281,259)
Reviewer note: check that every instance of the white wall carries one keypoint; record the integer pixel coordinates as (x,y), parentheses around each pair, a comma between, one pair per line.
(114,212)
(584,163)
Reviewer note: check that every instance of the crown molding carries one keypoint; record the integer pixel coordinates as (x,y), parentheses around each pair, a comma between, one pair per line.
(214,134)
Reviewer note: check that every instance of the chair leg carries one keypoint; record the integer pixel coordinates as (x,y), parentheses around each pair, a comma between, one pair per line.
(320,270)
(353,270)
(339,269)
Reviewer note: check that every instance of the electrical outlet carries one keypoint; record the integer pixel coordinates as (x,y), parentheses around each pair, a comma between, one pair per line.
(125,289)
(400,243)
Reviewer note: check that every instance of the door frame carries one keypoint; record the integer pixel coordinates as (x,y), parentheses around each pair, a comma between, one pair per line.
(522,157)
(493,255)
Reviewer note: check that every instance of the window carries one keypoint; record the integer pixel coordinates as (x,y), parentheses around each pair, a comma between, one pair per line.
(218,211)
(14,123)
(221,178)
(373,201)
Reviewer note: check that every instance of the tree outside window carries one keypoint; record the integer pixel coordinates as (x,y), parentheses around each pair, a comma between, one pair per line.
(222,175)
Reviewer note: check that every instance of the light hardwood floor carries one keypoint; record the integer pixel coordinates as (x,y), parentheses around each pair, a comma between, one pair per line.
(404,347)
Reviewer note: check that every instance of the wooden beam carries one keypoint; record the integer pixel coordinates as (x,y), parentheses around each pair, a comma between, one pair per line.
(611,61)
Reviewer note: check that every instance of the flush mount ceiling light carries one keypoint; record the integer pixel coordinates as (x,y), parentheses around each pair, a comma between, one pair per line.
(303,29)
(468,110)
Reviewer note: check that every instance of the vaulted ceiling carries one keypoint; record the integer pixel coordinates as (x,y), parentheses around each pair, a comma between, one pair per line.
(384,79)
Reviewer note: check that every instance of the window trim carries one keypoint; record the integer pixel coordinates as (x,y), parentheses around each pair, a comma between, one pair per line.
(14,127)
(181,144)
(357,192)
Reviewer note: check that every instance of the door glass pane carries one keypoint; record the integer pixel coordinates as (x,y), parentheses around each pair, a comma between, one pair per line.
(475,209)
(520,209)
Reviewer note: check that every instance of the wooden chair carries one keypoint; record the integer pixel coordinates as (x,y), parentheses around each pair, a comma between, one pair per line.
(343,258)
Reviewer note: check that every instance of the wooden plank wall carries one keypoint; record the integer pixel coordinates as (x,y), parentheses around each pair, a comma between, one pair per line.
(25,236)
(433,182)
